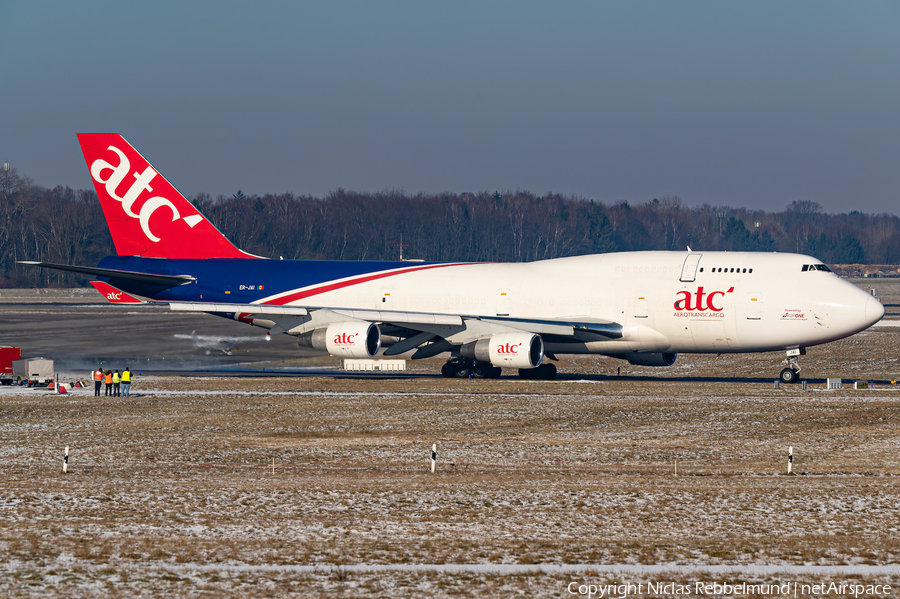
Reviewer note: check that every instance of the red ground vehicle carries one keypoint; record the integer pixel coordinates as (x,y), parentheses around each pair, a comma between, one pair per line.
(8,355)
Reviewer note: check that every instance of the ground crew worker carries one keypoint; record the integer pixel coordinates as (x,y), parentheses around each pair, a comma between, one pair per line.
(108,380)
(116,381)
(126,382)
(98,380)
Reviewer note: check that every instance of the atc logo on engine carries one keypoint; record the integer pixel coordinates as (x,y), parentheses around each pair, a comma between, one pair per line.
(509,348)
(345,339)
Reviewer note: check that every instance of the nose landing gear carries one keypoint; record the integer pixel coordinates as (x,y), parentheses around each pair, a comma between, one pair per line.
(791,374)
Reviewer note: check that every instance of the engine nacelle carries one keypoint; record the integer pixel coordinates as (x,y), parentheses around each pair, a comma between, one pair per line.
(347,339)
(660,359)
(509,350)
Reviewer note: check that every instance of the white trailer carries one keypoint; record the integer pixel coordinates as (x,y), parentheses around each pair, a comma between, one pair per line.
(34,372)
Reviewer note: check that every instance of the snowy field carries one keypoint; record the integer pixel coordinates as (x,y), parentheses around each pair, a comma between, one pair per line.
(539,485)
(173,492)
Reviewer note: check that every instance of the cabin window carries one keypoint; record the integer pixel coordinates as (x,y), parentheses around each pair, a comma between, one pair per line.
(745,270)
(701,269)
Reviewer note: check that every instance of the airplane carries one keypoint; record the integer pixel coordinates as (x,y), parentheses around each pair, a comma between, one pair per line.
(643,307)
(211,343)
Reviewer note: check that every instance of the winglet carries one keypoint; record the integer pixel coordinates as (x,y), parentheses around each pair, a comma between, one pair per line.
(146,215)
(115,296)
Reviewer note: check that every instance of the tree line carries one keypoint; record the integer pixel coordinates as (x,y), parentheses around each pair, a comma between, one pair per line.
(63,225)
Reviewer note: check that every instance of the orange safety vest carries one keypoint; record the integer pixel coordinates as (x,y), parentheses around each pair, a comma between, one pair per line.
(98,375)
(109,379)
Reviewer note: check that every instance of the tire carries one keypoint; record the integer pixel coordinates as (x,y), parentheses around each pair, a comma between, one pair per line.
(495,372)
(461,371)
(548,372)
(789,376)
(482,370)
(448,370)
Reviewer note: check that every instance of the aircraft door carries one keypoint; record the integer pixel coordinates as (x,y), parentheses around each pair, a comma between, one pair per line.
(709,335)
(755,306)
(641,304)
(387,298)
(689,270)
(503,301)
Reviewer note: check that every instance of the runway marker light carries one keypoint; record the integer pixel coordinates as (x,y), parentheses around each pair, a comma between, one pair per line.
(790,458)
(66,460)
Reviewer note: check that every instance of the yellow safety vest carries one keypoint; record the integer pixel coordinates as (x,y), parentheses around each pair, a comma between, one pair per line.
(116,377)
(126,376)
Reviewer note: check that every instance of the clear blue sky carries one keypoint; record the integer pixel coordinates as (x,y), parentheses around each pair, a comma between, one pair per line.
(744,103)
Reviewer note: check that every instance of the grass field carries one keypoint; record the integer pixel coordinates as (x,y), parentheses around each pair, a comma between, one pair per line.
(173,492)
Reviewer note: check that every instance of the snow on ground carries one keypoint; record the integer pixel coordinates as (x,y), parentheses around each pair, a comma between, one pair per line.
(173,491)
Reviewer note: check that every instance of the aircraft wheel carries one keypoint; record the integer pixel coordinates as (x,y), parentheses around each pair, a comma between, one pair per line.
(495,372)
(448,370)
(789,375)
(482,370)
(461,371)
(548,371)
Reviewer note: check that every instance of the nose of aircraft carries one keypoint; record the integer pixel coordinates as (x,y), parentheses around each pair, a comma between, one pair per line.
(874,311)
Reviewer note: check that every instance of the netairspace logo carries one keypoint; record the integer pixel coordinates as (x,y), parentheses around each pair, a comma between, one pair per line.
(723,589)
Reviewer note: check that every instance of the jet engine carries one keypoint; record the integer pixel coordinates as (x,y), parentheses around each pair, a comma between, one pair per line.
(511,350)
(651,359)
(347,339)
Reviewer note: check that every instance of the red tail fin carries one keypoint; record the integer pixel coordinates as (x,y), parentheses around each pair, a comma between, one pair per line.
(146,215)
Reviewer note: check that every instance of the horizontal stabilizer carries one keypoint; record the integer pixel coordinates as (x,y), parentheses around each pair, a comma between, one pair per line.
(115,296)
(127,275)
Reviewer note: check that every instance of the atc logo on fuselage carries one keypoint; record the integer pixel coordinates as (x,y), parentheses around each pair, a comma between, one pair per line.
(700,304)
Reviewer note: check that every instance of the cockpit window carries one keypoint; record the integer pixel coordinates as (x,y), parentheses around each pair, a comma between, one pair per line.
(805,268)
(811,267)
(822,267)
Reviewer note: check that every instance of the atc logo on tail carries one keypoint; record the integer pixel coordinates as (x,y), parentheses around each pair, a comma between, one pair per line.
(147,216)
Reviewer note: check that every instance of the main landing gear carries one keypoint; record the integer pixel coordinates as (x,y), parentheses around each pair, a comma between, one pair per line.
(791,374)
(544,372)
(461,368)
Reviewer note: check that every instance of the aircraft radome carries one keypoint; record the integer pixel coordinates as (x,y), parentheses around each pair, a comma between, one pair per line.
(643,307)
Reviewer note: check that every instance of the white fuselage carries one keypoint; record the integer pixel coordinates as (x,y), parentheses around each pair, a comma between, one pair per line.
(665,301)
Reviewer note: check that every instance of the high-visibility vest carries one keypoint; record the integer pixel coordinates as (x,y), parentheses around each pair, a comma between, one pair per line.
(109,378)
(98,375)
(116,377)
(126,376)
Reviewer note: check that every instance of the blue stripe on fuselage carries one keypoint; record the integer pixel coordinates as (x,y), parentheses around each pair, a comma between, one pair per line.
(216,276)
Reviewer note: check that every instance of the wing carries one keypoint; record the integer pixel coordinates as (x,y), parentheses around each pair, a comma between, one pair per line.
(427,333)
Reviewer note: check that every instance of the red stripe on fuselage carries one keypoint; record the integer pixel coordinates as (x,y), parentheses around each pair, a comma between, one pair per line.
(280,301)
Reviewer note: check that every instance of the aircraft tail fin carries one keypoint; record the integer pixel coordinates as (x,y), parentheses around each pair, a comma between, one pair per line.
(146,215)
